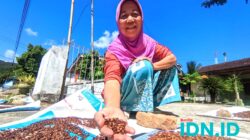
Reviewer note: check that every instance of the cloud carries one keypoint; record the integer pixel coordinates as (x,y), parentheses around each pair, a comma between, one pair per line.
(9,55)
(106,39)
(30,32)
(50,42)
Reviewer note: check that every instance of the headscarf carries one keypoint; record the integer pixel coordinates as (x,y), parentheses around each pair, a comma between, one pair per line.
(126,51)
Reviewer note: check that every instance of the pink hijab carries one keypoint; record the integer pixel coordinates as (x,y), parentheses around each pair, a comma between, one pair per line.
(126,51)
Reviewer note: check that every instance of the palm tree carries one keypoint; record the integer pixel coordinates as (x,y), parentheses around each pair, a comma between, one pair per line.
(213,85)
(192,75)
(192,67)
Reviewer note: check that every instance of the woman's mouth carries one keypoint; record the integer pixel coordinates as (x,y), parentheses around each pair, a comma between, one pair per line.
(131,28)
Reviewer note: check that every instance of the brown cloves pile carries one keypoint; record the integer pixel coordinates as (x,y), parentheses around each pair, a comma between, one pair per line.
(52,129)
(117,125)
(244,114)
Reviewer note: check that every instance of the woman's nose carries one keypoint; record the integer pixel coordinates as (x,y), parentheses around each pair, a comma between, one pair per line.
(130,19)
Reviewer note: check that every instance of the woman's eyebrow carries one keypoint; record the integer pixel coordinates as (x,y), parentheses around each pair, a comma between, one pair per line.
(136,11)
(123,12)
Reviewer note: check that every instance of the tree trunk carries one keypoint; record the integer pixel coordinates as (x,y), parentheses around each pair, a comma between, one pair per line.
(189,89)
(236,88)
(213,96)
(205,98)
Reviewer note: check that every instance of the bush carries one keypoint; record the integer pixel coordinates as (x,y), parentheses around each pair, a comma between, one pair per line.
(26,79)
(225,101)
(26,82)
(226,96)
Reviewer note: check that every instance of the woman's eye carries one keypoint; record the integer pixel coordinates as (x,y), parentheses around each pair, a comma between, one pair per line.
(123,16)
(135,14)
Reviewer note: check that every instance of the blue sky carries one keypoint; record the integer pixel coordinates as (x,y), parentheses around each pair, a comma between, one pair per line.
(192,32)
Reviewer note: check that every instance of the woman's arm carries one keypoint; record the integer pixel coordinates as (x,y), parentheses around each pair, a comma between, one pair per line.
(113,72)
(166,62)
(112,93)
(164,58)
(112,97)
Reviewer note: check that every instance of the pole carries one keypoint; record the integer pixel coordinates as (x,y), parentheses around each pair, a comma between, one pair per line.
(92,46)
(82,59)
(68,43)
(78,60)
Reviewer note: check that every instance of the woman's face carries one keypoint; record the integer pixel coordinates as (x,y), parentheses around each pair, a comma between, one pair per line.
(130,20)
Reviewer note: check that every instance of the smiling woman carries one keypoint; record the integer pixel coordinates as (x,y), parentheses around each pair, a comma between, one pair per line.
(139,72)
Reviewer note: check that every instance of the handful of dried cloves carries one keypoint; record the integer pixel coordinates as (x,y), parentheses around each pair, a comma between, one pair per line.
(117,125)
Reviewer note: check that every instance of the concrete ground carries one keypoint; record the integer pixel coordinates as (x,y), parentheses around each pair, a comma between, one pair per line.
(183,110)
(15,116)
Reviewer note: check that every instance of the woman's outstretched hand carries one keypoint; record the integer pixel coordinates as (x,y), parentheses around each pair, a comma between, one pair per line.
(112,112)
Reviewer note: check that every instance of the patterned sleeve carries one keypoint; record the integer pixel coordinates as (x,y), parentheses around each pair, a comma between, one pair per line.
(113,70)
(161,52)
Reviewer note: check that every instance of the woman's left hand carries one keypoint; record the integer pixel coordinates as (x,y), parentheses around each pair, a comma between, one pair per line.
(142,58)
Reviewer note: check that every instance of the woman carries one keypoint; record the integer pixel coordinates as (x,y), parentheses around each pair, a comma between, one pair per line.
(139,71)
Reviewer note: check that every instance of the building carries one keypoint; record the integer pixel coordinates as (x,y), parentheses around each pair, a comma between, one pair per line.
(239,67)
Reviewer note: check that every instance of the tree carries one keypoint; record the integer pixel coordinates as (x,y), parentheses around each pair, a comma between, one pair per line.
(29,62)
(192,75)
(98,66)
(213,85)
(6,70)
(209,3)
(192,67)
(85,64)
(189,79)
(233,85)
